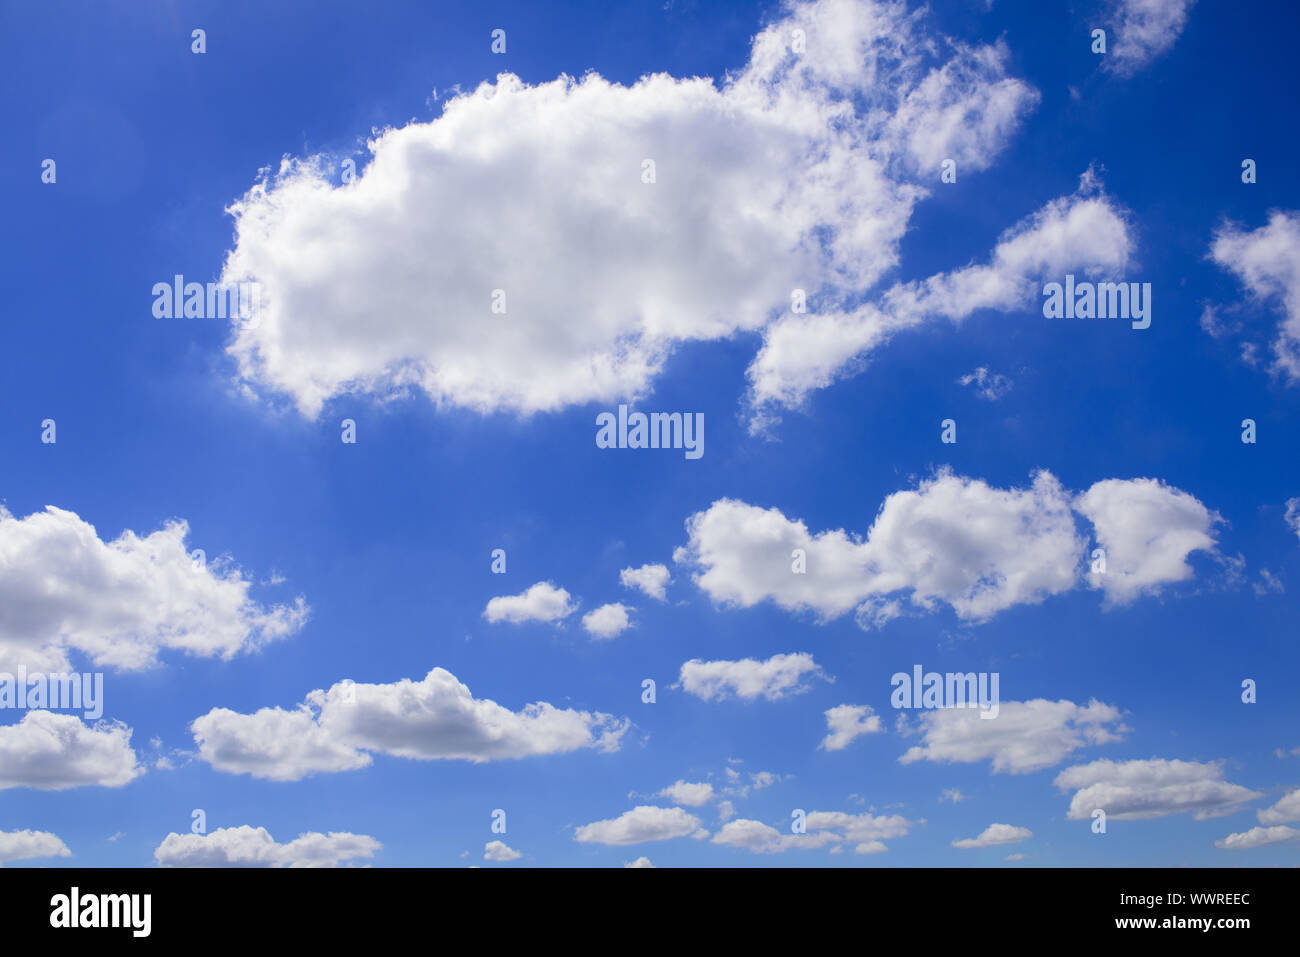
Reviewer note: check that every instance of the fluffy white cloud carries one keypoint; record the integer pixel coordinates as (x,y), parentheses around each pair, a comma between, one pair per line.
(860,828)
(639,862)
(824,829)
(607,621)
(1267,262)
(1142,31)
(639,825)
(1025,736)
(25,845)
(846,722)
(996,834)
(1147,529)
(542,602)
(760,838)
(500,852)
(123,601)
(692,794)
(952,540)
(246,846)
(1258,837)
(651,579)
(799,170)
(749,678)
(1133,790)
(1081,233)
(1287,809)
(436,718)
(54,752)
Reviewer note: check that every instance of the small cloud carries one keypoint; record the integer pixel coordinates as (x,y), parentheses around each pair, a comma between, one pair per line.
(988,385)
(500,852)
(607,621)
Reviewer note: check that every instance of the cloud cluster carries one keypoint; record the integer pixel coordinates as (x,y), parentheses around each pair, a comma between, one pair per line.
(952,541)
(25,845)
(607,621)
(121,602)
(749,678)
(639,825)
(1134,790)
(246,846)
(1285,810)
(1083,233)
(1144,29)
(833,829)
(1026,735)
(435,718)
(800,170)
(996,834)
(1266,261)
(54,752)
(848,722)
(651,579)
(542,602)
(1258,837)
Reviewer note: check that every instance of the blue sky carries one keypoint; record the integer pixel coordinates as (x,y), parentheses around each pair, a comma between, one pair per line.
(472,437)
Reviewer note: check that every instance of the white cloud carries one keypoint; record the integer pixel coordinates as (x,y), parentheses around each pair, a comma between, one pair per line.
(1266,261)
(760,838)
(859,828)
(1287,809)
(692,794)
(1081,233)
(500,852)
(749,678)
(996,834)
(952,794)
(1293,515)
(607,621)
(1133,790)
(651,579)
(54,752)
(953,540)
(642,861)
(1025,736)
(1258,837)
(25,845)
(541,602)
(798,170)
(246,846)
(988,385)
(1143,30)
(1016,857)
(846,722)
(1147,529)
(639,825)
(123,601)
(436,718)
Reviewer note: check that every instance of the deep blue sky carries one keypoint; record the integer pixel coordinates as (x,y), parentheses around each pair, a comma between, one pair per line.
(389,540)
